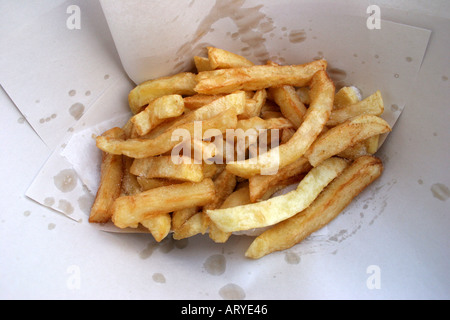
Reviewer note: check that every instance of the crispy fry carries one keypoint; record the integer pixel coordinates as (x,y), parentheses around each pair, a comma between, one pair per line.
(157,111)
(256,77)
(345,96)
(129,211)
(182,83)
(110,182)
(272,211)
(339,138)
(224,184)
(199,100)
(322,95)
(337,195)
(371,105)
(159,225)
(202,64)
(223,59)
(290,105)
(196,224)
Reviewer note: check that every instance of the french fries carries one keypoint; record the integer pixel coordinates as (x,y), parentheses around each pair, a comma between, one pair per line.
(207,152)
(129,211)
(321,94)
(110,182)
(362,172)
(339,138)
(267,213)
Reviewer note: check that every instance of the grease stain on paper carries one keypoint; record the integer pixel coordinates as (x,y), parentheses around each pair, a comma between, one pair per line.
(77,110)
(159,278)
(440,191)
(291,257)
(49,201)
(232,291)
(51,226)
(66,180)
(65,206)
(297,36)
(27,213)
(215,264)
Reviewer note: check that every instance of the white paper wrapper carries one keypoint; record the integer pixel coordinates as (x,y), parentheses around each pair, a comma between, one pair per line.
(161,42)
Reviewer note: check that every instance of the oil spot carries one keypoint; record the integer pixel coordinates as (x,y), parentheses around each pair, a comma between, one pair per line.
(420,181)
(376,56)
(215,265)
(444,78)
(106,77)
(355,55)
(408,59)
(37,101)
(148,250)
(338,237)
(297,36)
(66,180)
(396,76)
(51,226)
(337,74)
(27,213)
(292,258)
(72,93)
(440,191)
(435,134)
(232,291)
(394,107)
(87,93)
(21,120)
(49,201)
(76,110)
(159,278)
(65,206)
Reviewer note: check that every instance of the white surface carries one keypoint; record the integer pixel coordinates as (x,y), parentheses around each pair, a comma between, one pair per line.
(42,252)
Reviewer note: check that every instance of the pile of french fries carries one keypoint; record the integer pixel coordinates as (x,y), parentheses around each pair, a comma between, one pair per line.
(321,139)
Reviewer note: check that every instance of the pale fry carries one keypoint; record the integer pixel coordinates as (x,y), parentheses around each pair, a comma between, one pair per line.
(129,211)
(274,210)
(259,184)
(182,83)
(223,59)
(256,77)
(169,106)
(110,182)
(339,138)
(142,148)
(322,95)
(164,167)
(336,196)
(371,105)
